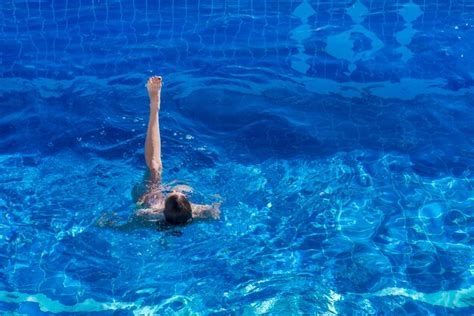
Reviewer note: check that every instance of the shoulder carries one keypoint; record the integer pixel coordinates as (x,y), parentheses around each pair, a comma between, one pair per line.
(150,213)
(211,211)
(153,198)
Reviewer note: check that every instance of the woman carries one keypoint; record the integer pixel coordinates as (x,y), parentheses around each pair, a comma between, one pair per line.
(173,207)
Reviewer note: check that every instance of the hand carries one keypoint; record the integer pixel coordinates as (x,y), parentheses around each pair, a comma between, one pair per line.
(154,90)
(215,211)
(107,220)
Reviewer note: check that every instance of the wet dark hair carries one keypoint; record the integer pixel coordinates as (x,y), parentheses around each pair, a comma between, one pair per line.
(177,209)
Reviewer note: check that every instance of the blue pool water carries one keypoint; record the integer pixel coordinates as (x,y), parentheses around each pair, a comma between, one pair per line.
(339,135)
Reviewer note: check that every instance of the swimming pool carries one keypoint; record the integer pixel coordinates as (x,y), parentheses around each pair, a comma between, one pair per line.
(338,134)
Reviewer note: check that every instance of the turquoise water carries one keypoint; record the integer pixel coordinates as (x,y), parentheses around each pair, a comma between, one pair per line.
(337,134)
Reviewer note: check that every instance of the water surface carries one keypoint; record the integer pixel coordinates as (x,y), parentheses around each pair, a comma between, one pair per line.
(339,135)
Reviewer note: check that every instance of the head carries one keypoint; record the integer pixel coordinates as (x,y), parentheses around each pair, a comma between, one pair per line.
(177,209)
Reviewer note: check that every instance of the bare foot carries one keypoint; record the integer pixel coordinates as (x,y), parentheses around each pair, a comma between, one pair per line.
(154,91)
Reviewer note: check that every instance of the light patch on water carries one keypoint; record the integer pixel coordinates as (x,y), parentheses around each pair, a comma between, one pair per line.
(405,52)
(410,12)
(432,210)
(250,288)
(333,297)
(300,34)
(405,36)
(341,45)
(358,221)
(450,299)
(48,305)
(357,12)
(304,10)
(146,291)
(264,307)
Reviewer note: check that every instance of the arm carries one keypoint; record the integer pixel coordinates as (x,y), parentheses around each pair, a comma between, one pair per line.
(153,138)
(206,211)
(142,218)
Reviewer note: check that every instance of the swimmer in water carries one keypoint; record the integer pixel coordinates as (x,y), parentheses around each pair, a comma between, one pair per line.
(173,206)
(160,205)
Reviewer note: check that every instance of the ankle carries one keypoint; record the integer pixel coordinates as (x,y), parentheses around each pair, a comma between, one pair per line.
(154,102)
(154,96)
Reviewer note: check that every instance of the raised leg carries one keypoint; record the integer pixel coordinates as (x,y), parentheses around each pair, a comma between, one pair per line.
(153,138)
